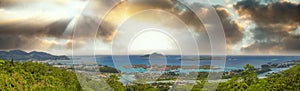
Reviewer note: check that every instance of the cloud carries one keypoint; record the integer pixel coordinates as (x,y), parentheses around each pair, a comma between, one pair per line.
(22,24)
(24,42)
(71,44)
(111,21)
(35,28)
(27,36)
(275,22)
(106,31)
(30,24)
(232,29)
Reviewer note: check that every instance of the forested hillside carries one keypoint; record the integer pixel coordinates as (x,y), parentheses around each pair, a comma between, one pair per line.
(30,76)
(287,80)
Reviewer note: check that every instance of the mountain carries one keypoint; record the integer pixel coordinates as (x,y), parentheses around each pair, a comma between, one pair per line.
(20,55)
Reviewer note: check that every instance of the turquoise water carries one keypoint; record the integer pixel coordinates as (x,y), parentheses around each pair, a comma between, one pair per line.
(235,62)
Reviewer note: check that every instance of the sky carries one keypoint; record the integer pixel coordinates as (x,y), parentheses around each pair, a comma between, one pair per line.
(65,27)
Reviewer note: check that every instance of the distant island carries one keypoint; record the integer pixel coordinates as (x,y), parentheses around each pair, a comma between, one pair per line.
(155,54)
(20,55)
(193,58)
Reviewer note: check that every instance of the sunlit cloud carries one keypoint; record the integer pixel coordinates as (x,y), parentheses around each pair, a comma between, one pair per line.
(269,26)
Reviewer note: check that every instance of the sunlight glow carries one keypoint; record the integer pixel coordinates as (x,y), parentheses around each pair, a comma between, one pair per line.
(152,41)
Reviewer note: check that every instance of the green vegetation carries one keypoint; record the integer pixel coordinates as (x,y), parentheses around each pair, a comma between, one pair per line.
(247,81)
(89,84)
(34,76)
(287,80)
(113,81)
(107,69)
(34,55)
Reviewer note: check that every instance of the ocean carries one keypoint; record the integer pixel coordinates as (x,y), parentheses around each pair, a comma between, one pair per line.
(232,62)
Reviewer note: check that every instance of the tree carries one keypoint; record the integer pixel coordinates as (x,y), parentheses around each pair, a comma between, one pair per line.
(36,76)
(241,82)
(113,81)
(249,75)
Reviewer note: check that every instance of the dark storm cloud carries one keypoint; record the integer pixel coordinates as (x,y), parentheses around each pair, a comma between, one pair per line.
(275,22)
(25,35)
(28,24)
(272,13)
(292,43)
(106,31)
(33,28)
(86,29)
(233,31)
(25,25)
(16,41)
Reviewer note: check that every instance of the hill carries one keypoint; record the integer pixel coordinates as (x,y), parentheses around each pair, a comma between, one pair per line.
(155,54)
(30,76)
(20,55)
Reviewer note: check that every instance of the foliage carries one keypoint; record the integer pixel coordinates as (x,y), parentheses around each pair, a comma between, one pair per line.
(287,80)
(141,87)
(35,76)
(89,84)
(107,69)
(113,81)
